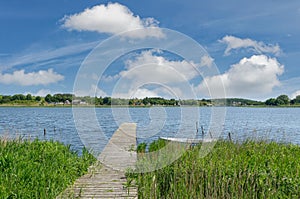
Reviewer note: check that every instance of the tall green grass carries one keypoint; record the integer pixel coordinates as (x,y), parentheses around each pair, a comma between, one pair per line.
(39,169)
(253,169)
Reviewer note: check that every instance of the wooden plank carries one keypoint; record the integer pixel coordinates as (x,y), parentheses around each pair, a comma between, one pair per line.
(106,179)
(120,153)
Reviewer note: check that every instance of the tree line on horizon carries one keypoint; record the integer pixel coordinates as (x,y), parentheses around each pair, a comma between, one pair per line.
(281,100)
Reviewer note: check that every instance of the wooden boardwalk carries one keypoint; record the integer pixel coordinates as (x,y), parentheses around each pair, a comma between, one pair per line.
(106,179)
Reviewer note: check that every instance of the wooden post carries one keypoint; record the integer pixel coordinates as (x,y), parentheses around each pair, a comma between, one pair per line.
(202,130)
(210,135)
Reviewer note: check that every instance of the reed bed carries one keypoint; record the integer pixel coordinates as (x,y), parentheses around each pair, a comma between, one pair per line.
(252,169)
(39,169)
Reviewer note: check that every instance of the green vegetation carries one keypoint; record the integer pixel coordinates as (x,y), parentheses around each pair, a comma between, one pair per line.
(68,99)
(38,169)
(29,100)
(280,100)
(253,169)
(57,98)
(19,99)
(237,102)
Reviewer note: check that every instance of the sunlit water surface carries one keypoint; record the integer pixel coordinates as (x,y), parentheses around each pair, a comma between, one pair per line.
(278,124)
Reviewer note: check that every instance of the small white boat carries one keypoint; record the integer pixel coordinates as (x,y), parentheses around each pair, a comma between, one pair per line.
(188,140)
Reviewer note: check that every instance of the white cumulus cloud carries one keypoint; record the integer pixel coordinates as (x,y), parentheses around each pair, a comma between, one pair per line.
(166,77)
(112,18)
(206,60)
(94,90)
(42,92)
(148,67)
(139,93)
(234,43)
(250,77)
(142,93)
(42,77)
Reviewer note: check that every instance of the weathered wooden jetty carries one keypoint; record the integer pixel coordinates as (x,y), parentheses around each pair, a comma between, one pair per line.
(106,179)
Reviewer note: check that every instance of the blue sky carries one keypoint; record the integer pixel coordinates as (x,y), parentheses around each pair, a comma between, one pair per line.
(254,45)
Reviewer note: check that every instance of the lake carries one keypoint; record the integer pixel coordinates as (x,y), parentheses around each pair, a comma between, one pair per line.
(278,124)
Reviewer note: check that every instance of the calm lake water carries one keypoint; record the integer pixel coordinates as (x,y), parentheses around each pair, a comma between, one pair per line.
(279,124)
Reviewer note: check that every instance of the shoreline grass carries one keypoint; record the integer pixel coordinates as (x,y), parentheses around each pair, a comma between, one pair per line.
(39,169)
(252,169)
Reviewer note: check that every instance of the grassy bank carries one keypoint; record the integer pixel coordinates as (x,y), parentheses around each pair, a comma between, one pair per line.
(38,169)
(231,170)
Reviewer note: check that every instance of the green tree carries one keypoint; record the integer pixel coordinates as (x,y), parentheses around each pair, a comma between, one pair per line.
(107,100)
(38,98)
(57,98)
(6,99)
(48,98)
(68,97)
(297,99)
(271,102)
(172,102)
(18,97)
(283,100)
(99,101)
(29,97)
(146,101)
(131,102)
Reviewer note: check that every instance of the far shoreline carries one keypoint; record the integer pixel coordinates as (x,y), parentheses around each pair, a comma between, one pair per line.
(130,106)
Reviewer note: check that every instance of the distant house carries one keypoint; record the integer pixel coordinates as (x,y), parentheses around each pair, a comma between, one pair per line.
(76,102)
(234,103)
(79,102)
(67,102)
(82,103)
